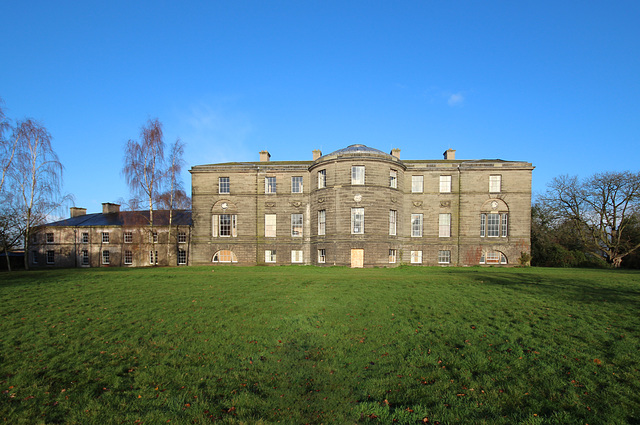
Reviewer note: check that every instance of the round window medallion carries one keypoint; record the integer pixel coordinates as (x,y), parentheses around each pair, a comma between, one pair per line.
(224,205)
(357,198)
(494,205)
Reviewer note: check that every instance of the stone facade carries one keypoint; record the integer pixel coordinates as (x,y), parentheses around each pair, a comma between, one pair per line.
(112,238)
(358,207)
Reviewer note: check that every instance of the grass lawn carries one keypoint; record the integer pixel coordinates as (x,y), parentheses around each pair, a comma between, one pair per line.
(298,345)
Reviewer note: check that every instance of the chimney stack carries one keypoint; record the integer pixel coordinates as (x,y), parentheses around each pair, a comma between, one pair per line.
(77,212)
(450,154)
(395,152)
(108,207)
(265,156)
(317,154)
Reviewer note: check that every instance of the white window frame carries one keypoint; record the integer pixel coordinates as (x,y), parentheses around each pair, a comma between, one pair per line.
(357,175)
(416,257)
(224,185)
(417,184)
(153,257)
(416,225)
(444,225)
(393,222)
(85,237)
(495,183)
(393,179)
(227,255)
(297,184)
(393,256)
(153,237)
(182,256)
(270,185)
(84,257)
(128,237)
(128,257)
(357,221)
(50,237)
(297,225)
(322,179)
(182,236)
(493,225)
(51,257)
(106,256)
(270,256)
(504,225)
(297,256)
(445,184)
(322,255)
(270,225)
(501,258)
(322,222)
(444,257)
(216,225)
(105,237)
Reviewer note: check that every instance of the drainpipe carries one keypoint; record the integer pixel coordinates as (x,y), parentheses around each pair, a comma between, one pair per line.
(458,215)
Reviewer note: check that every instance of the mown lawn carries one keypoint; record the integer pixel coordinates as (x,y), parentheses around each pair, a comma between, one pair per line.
(298,345)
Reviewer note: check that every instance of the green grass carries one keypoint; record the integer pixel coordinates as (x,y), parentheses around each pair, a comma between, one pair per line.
(298,345)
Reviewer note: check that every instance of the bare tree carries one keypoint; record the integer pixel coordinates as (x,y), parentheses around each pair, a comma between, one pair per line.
(144,162)
(36,178)
(174,182)
(7,148)
(601,210)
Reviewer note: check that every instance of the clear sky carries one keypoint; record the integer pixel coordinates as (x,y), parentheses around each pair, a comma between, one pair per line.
(554,83)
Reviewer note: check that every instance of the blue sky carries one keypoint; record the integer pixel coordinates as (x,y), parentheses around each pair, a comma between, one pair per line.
(553,83)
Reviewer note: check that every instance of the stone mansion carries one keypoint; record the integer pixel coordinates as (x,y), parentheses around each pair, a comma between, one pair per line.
(357,207)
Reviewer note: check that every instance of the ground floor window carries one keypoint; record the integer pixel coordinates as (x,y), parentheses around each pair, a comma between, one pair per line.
(50,257)
(493,257)
(296,256)
(416,257)
(270,256)
(393,256)
(182,256)
(153,257)
(322,256)
(128,257)
(105,257)
(34,257)
(224,256)
(444,257)
(85,257)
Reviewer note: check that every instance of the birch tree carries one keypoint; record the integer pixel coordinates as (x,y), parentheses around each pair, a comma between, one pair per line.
(144,162)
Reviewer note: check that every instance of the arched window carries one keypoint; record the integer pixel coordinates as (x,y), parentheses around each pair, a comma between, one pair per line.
(224,256)
(493,257)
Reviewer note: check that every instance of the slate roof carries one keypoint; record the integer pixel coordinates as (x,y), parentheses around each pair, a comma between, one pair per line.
(127,218)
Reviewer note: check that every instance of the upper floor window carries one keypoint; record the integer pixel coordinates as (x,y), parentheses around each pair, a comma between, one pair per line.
(105,237)
(416,225)
(322,222)
(128,237)
(49,237)
(296,184)
(296,225)
(153,237)
(393,222)
(182,236)
(393,179)
(322,179)
(493,225)
(224,225)
(270,225)
(85,237)
(224,185)
(495,184)
(357,221)
(445,184)
(357,174)
(417,184)
(444,225)
(269,185)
